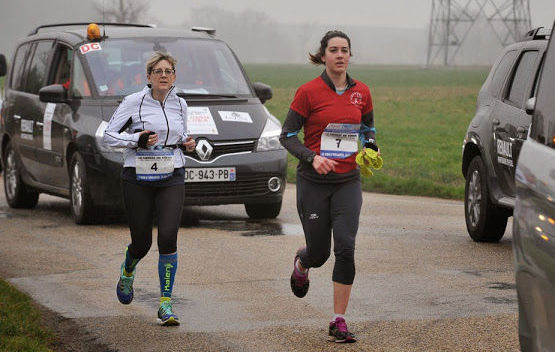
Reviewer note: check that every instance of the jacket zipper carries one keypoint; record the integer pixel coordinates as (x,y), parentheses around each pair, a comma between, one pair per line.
(165,116)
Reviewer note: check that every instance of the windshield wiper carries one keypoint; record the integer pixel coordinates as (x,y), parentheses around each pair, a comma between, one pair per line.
(207,96)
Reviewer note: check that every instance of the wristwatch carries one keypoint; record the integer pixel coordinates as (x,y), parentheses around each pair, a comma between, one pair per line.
(309,159)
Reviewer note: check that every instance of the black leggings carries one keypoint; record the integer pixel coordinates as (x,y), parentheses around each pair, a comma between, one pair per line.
(323,207)
(140,203)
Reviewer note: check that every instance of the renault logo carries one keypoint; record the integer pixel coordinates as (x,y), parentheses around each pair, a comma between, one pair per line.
(204,149)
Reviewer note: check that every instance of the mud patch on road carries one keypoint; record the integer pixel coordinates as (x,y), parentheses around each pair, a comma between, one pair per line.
(151,296)
(5,215)
(501,300)
(69,335)
(248,228)
(501,286)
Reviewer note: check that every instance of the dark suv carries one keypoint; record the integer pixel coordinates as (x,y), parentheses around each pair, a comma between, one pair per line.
(63,87)
(495,135)
(534,219)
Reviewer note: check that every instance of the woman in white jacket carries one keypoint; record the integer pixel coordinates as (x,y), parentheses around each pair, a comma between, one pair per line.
(152,126)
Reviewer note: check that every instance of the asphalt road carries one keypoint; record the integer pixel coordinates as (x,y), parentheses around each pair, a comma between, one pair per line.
(422,284)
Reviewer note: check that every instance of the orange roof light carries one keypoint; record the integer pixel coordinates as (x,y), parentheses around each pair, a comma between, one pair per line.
(93,31)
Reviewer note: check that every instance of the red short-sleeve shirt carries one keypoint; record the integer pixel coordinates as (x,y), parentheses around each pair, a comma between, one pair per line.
(320,105)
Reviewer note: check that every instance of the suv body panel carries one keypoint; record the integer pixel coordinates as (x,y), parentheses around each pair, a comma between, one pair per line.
(534,220)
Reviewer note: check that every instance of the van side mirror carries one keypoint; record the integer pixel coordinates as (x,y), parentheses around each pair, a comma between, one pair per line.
(54,93)
(263,91)
(530,106)
(3,65)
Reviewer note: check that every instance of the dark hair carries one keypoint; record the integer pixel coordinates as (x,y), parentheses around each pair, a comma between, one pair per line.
(316,58)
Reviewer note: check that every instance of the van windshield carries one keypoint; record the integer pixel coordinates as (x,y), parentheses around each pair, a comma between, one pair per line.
(118,66)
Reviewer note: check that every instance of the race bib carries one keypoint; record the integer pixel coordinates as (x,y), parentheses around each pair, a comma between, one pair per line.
(339,140)
(154,165)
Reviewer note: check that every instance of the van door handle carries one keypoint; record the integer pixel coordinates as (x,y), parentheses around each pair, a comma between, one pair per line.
(17,117)
(40,124)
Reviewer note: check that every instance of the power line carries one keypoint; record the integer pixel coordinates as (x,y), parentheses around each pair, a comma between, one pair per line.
(452,20)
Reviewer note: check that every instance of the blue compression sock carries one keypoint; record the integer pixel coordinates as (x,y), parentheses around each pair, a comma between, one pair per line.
(167,267)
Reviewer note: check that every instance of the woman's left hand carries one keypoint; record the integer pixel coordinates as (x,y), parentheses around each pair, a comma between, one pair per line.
(190,144)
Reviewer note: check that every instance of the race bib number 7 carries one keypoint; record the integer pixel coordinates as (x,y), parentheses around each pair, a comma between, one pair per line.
(339,140)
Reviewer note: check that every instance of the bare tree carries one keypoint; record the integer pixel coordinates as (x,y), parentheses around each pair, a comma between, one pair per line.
(122,11)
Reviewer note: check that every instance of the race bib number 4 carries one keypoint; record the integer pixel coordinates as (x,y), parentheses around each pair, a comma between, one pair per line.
(154,165)
(339,140)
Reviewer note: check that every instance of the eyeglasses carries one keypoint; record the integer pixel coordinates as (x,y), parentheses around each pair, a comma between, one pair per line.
(159,71)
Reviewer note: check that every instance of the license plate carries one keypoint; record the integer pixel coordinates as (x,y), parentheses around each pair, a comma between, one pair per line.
(215,174)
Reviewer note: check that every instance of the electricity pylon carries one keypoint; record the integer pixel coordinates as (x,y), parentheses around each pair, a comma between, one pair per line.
(452,20)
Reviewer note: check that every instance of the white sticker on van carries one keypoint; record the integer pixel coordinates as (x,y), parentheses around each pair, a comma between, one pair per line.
(235,116)
(27,126)
(47,126)
(86,48)
(200,121)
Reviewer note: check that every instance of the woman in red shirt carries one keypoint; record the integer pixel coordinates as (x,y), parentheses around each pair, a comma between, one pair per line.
(335,111)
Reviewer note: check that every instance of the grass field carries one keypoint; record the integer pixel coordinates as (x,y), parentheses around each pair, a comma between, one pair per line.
(421,117)
(20,328)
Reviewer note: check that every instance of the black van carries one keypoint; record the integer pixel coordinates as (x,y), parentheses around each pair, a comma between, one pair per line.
(62,88)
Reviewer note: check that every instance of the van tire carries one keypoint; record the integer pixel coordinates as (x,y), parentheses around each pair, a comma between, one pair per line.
(263,210)
(18,194)
(83,210)
(485,221)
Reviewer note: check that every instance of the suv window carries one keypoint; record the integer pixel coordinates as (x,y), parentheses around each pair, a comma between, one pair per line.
(62,66)
(17,71)
(37,70)
(543,124)
(501,72)
(524,74)
(80,87)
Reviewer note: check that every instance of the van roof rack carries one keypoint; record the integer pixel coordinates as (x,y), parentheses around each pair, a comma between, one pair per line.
(87,23)
(210,31)
(537,34)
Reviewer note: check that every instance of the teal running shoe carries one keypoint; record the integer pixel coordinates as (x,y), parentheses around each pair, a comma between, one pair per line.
(166,316)
(124,289)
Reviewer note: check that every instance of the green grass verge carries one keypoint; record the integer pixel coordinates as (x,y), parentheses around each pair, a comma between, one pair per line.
(421,117)
(20,327)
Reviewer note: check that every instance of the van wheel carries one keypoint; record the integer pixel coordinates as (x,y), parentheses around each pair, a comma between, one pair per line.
(485,221)
(83,209)
(263,211)
(18,194)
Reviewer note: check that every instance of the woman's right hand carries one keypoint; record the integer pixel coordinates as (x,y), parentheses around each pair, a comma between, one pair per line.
(323,165)
(152,138)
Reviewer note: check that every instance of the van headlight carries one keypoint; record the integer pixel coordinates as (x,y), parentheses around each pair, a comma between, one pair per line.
(269,139)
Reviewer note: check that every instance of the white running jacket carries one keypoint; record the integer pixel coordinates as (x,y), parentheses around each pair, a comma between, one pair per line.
(140,112)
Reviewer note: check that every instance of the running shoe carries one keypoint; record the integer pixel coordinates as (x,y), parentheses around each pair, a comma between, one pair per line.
(299,281)
(339,332)
(166,317)
(124,289)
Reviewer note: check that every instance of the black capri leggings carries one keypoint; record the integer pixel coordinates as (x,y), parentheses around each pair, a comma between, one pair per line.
(140,203)
(323,208)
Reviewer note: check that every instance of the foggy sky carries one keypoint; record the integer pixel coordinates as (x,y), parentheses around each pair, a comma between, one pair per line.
(367,21)
(379,13)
